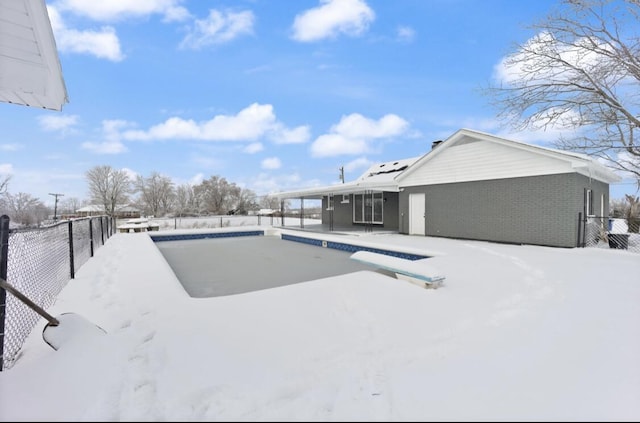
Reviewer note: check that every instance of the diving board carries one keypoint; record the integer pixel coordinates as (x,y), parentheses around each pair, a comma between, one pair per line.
(419,269)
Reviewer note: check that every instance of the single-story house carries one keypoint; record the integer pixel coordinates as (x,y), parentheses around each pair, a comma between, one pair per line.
(121,212)
(474,185)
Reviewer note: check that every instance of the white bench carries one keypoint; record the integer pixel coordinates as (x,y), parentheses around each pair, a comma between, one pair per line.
(419,270)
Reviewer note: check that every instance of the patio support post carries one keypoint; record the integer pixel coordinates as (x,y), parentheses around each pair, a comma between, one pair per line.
(282,211)
(331,213)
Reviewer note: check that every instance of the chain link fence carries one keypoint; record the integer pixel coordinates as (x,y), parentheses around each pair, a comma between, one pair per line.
(606,232)
(223,221)
(39,263)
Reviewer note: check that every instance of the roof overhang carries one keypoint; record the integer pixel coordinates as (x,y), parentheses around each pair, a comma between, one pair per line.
(355,187)
(597,171)
(30,71)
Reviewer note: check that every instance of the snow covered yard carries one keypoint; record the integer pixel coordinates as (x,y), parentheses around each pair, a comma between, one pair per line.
(516,332)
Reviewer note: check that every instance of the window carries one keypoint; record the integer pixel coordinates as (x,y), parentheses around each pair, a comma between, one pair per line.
(367,208)
(330,202)
(345,198)
(358,207)
(589,203)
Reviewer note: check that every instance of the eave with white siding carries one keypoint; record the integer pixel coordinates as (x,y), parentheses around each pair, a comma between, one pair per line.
(30,70)
(470,155)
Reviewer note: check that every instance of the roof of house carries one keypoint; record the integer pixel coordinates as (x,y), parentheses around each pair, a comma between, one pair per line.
(380,176)
(392,175)
(574,162)
(29,62)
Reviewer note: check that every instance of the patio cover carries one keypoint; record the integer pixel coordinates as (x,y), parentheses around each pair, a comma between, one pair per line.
(30,71)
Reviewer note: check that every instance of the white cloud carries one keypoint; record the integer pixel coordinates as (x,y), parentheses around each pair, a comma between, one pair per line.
(282,135)
(103,44)
(250,124)
(629,161)
(530,63)
(196,179)
(10,147)
(268,183)
(332,17)
(405,34)
(359,163)
(355,125)
(208,162)
(57,122)
(355,133)
(218,28)
(336,145)
(107,147)
(6,169)
(253,148)
(110,10)
(111,129)
(271,163)
(130,173)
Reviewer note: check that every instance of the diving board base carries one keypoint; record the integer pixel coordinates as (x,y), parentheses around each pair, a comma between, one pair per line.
(413,271)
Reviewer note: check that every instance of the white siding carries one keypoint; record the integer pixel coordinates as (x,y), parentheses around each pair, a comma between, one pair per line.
(483,160)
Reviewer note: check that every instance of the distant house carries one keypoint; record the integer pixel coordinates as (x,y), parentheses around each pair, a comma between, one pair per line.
(474,185)
(122,212)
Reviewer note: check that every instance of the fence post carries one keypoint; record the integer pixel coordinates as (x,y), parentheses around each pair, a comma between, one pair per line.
(4,257)
(102,229)
(90,237)
(71,264)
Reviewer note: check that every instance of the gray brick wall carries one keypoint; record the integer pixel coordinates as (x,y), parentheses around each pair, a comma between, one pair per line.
(540,210)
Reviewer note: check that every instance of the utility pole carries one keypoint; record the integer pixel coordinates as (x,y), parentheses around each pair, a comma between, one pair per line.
(55,207)
(341,176)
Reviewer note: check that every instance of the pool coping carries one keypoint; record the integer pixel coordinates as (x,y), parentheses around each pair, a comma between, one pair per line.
(316,240)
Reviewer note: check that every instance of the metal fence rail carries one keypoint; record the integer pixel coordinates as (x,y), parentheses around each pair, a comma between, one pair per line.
(223,221)
(39,263)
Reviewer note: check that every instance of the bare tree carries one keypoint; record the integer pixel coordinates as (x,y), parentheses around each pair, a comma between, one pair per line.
(215,195)
(243,200)
(4,184)
(108,187)
(156,193)
(69,205)
(269,202)
(632,213)
(24,209)
(581,71)
(185,200)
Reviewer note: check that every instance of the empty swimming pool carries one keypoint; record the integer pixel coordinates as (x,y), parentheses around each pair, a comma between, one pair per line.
(232,265)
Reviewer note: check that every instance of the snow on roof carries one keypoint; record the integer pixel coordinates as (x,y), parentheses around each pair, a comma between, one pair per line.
(387,171)
(379,177)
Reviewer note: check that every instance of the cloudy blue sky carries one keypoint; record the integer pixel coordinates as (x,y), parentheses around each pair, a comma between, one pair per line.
(270,94)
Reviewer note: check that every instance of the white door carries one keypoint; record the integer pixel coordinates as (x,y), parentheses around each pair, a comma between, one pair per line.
(416,214)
